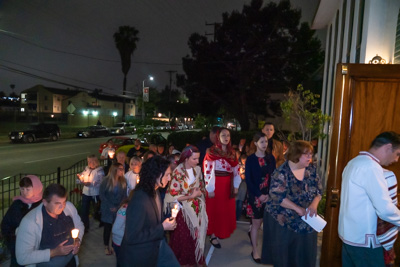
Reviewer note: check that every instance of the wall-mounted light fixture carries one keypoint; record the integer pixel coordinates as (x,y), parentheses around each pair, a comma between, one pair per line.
(377,60)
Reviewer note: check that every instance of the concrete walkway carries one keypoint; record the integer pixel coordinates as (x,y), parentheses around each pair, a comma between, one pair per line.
(235,251)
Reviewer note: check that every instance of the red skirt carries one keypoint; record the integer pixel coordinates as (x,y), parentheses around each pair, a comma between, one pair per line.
(182,243)
(221,209)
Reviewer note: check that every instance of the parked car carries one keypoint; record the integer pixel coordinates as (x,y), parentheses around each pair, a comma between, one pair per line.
(36,132)
(148,128)
(94,131)
(118,142)
(123,128)
(146,140)
(233,126)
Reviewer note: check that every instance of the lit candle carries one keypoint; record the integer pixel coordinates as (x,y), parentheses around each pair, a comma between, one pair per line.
(137,180)
(111,153)
(175,211)
(74,233)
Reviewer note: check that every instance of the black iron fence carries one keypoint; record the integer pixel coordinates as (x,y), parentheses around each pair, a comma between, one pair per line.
(9,187)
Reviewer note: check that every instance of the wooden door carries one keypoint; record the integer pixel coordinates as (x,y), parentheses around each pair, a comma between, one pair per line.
(366,103)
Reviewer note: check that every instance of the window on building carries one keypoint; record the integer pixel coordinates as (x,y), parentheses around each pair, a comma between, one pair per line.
(46,108)
(45,97)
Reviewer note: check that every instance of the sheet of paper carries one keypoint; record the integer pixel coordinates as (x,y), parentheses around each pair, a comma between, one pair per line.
(316,222)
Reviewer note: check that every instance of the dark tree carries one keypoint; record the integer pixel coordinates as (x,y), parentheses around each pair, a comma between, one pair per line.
(125,41)
(260,50)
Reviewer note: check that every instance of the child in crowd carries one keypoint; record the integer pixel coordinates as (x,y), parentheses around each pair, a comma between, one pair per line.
(118,227)
(132,176)
(242,192)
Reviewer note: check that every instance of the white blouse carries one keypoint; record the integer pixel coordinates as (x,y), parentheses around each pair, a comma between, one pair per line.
(219,165)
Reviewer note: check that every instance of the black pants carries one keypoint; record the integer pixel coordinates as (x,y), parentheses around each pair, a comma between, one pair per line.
(107,233)
(86,201)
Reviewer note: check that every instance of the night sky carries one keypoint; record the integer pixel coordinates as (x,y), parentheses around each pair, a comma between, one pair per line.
(71,41)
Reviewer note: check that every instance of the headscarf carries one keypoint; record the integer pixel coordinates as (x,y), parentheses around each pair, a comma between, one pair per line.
(37,188)
(215,152)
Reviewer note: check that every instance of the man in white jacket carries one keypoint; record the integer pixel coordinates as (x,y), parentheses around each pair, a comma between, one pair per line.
(44,235)
(364,197)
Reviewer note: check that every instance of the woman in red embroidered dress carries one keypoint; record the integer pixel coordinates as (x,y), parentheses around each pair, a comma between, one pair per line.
(187,187)
(221,175)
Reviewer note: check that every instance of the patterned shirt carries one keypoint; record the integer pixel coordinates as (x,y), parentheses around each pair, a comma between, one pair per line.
(285,185)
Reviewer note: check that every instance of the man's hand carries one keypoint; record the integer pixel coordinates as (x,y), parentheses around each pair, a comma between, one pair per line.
(235,191)
(169,225)
(61,250)
(77,244)
(211,194)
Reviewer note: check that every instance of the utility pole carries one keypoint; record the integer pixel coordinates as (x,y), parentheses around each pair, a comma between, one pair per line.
(170,72)
(216,26)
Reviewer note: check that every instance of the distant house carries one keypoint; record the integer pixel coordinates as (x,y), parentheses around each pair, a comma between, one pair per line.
(86,107)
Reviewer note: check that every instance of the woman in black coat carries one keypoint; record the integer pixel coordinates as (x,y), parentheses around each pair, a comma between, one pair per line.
(31,196)
(143,243)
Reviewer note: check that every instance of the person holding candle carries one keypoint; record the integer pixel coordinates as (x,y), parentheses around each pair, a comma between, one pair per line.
(44,237)
(112,193)
(259,168)
(132,176)
(187,187)
(91,178)
(221,175)
(143,243)
(31,197)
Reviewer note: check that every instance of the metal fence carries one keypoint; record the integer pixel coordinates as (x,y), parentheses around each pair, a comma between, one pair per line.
(9,187)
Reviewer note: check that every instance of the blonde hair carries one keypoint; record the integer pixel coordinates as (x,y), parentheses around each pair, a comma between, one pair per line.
(112,174)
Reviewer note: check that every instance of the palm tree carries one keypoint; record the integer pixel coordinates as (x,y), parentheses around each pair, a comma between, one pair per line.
(125,40)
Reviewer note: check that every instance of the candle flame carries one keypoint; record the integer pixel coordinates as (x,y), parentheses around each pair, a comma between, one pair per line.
(74,233)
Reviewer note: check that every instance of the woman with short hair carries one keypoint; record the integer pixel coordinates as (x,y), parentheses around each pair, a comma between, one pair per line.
(295,191)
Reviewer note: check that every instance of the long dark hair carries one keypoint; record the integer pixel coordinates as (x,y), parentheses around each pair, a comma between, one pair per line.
(152,169)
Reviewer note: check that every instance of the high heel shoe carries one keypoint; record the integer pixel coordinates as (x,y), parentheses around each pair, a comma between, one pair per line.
(258,261)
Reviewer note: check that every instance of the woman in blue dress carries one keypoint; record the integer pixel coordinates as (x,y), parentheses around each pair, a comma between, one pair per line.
(259,168)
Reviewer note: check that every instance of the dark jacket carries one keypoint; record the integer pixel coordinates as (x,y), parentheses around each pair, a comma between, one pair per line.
(143,232)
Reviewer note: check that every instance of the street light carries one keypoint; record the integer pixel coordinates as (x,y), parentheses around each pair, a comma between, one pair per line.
(150,78)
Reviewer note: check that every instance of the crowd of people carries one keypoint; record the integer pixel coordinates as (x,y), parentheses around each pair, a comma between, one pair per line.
(202,191)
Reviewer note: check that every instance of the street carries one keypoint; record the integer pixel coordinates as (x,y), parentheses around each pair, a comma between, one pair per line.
(45,157)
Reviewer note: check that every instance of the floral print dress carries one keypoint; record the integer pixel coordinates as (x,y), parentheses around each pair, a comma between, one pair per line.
(258,173)
(285,185)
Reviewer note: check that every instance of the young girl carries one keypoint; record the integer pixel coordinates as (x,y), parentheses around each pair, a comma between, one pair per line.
(259,168)
(118,228)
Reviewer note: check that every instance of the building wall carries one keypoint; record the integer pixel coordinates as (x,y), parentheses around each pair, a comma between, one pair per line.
(356,32)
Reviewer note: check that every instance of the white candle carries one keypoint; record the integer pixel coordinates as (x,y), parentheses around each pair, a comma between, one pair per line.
(137,180)
(74,233)
(175,211)
(111,153)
